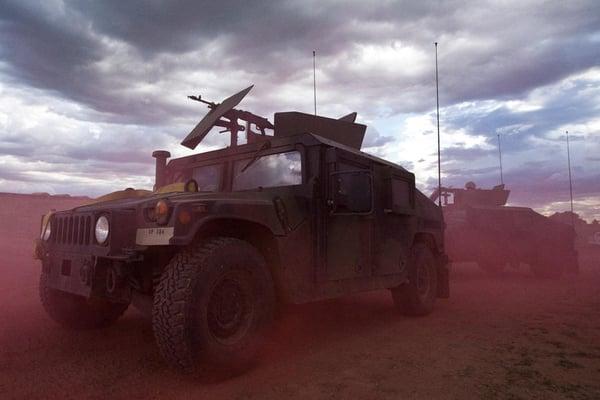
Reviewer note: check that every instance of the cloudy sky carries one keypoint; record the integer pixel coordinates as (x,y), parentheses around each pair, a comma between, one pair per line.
(89,88)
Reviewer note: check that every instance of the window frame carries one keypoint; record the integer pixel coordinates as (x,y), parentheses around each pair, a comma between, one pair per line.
(221,175)
(391,207)
(332,191)
(268,152)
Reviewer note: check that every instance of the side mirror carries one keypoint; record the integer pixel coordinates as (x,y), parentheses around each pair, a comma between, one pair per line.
(351,192)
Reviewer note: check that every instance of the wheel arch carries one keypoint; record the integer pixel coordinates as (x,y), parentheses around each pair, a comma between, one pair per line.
(258,235)
(429,240)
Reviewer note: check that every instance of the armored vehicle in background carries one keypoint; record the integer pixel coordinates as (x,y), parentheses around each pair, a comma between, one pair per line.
(481,228)
(227,235)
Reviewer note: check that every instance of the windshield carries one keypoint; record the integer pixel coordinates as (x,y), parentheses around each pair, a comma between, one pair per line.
(208,177)
(281,169)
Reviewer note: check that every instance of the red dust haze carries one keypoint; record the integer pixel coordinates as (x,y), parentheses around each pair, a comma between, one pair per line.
(511,336)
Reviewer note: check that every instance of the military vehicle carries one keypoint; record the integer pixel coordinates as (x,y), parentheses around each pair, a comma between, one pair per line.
(226,236)
(481,228)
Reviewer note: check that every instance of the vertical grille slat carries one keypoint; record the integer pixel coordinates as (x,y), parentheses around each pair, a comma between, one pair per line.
(65,228)
(81,230)
(57,236)
(76,230)
(88,227)
(72,230)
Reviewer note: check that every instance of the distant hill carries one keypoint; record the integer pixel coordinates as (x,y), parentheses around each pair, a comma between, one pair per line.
(20,214)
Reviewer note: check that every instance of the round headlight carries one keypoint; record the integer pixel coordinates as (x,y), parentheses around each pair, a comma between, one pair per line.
(47,231)
(161,212)
(102,229)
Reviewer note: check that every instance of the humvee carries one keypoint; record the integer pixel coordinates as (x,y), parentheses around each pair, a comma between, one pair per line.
(228,235)
(481,228)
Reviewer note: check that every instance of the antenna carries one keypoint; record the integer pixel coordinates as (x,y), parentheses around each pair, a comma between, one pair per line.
(315,79)
(500,157)
(570,181)
(437,100)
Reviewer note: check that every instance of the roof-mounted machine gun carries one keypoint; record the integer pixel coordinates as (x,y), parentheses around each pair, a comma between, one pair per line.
(225,116)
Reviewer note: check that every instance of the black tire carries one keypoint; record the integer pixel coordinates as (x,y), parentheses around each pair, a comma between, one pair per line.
(417,296)
(77,312)
(212,307)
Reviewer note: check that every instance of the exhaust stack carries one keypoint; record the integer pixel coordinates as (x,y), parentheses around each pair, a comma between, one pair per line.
(161,167)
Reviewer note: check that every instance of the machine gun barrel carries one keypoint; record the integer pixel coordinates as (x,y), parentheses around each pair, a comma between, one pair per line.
(210,104)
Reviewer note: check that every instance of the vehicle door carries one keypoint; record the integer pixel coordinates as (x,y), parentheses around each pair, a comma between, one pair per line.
(349,216)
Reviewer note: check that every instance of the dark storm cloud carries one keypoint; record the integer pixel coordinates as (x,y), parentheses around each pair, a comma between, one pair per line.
(55,49)
(179,26)
(43,48)
(59,48)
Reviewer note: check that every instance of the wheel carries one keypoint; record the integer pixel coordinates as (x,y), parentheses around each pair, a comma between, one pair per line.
(77,312)
(212,307)
(417,296)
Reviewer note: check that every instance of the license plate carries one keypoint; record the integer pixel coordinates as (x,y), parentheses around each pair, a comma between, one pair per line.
(153,236)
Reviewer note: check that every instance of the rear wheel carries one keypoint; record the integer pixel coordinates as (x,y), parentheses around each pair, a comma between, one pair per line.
(212,306)
(77,312)
(417,296)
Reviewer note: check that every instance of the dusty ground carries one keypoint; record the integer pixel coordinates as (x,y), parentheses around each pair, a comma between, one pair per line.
(507,338)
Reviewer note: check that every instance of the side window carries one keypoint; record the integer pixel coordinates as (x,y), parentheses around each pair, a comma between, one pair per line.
(281,169)
(208,177)
(401,193)
(352,192)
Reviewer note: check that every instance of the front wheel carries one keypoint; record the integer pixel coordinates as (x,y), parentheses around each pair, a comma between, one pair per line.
(212,306)
(417,296)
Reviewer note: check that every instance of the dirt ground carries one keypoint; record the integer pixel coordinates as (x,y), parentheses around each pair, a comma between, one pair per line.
(512,337)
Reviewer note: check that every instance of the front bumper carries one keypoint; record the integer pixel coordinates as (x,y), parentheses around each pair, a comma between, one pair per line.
(69,272)
(72,260)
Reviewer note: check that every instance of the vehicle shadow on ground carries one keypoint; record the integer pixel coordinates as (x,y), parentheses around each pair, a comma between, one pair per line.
(129,347)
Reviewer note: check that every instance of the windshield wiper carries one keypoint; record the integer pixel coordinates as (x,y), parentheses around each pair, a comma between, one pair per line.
(264,146)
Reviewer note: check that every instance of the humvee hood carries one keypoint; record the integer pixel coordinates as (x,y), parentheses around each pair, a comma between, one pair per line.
(140,199)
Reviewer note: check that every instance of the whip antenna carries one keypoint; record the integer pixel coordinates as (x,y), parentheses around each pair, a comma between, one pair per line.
(315,79)
(570,180)
(437,100)
(500,158)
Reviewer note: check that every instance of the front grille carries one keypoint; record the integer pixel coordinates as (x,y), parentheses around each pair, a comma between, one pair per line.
(71,230)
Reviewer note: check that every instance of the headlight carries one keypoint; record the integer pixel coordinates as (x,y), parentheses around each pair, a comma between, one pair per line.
(47,231)
(102,229)
(161,212)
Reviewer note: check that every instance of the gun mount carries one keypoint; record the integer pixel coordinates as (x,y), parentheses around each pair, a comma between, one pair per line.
(343,130)
(225,116)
